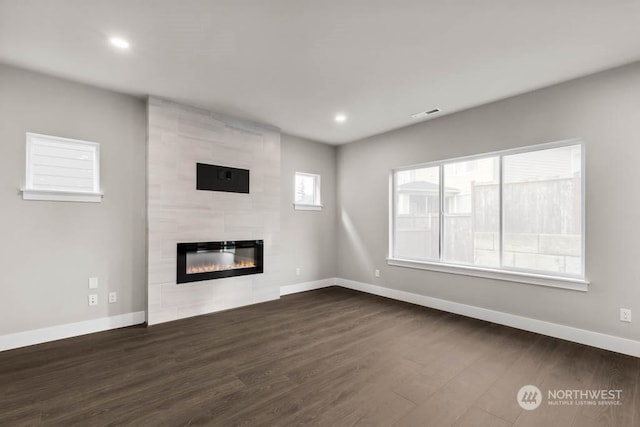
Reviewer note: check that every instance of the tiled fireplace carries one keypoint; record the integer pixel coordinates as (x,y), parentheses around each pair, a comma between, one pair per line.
(179,212)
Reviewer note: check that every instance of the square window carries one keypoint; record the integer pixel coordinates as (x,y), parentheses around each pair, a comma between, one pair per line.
(62,169)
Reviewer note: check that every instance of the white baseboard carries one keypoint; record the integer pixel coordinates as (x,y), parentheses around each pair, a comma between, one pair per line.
(54,333)
(568,333)
(306,286)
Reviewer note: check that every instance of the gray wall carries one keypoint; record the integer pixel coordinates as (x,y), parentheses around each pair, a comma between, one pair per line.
(604,109)
(308,237)
(50,249)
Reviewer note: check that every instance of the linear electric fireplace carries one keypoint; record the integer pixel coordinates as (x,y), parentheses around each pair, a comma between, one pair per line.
(214,260)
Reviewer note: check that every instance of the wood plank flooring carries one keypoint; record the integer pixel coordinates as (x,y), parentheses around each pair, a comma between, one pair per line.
(331,357)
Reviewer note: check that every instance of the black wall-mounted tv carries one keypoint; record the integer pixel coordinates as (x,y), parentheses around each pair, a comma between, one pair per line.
(222,178)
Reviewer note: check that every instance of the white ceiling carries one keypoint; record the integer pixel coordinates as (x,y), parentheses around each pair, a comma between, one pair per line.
(296,63)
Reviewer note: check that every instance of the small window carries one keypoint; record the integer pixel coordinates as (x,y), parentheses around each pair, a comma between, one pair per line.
(307,192)
(62,169)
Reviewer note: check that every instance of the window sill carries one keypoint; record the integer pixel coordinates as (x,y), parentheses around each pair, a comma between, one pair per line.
(488,273)
(299,207)
(61,196)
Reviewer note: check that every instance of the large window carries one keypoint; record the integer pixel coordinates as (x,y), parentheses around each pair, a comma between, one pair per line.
(517,212)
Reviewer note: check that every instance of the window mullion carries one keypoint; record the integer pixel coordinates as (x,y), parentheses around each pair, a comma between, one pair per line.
(501,210)
(393,212)
(441,216)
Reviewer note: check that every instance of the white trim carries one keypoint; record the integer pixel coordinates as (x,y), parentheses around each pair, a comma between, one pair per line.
(301,207)
(54,333)
(489,273)
(501,213)
(441,201)
(306,286)
(583,202)
(568,333)
(61,196)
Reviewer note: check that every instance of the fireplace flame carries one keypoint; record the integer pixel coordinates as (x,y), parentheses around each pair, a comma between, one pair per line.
(208,268)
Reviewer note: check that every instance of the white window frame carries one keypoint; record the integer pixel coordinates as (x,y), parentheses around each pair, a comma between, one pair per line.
(511,274)
(317,203)
(31,192)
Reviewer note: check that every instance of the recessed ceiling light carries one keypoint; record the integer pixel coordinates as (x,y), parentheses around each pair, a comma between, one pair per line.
(340,118)
(119,43)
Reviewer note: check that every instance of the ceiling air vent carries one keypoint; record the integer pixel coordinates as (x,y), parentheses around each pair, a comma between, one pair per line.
(425,113)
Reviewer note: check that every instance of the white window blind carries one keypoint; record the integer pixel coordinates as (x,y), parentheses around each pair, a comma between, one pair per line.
(62,169)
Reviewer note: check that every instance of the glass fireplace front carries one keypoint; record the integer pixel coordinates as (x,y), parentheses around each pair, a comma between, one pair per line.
(214,260)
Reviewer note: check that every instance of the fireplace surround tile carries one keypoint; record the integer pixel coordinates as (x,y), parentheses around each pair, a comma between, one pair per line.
(178,137)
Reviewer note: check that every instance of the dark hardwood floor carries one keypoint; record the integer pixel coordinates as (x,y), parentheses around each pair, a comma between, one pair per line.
(331,357)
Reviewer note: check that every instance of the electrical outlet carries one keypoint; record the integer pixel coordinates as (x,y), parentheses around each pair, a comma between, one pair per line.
(298,271)
(376,273)
(625,315)
(113,297)
(93,299)
(93,283)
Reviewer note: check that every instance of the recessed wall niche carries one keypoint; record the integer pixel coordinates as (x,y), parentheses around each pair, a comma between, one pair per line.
(222,178)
